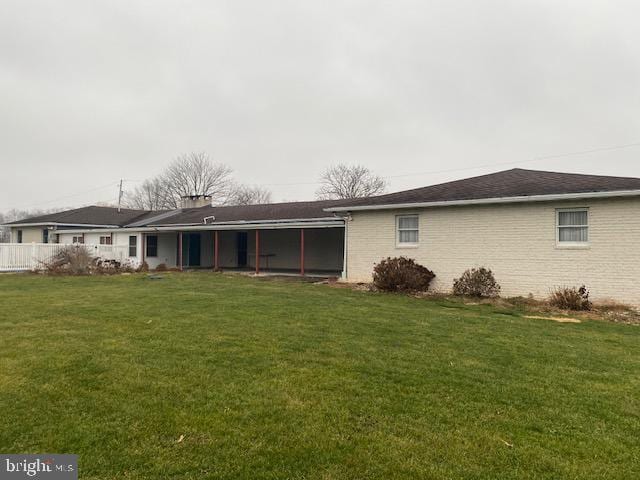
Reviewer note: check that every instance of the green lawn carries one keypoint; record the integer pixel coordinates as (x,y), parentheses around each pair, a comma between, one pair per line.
(275,379)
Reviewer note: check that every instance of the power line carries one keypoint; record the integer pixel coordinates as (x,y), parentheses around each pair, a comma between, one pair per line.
(48,202)
(432,172)
(462,169)
(534,159)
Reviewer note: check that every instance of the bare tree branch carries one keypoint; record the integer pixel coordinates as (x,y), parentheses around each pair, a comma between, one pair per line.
(187,175)
(151,195)
(343,181)
(247,195)
(196,174)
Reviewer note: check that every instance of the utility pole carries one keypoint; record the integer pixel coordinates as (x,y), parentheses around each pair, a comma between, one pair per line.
(120,196)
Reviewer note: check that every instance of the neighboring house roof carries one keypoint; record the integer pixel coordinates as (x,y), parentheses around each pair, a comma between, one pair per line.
(250,213)
(90,216)
(517,183)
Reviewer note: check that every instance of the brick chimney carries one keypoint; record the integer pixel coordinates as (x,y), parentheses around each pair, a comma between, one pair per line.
(195,201)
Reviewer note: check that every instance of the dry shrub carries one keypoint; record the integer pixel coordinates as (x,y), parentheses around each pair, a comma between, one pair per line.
(71,260)
(162,267)
(76,260)
(570,298)
(476,282)
(143,267)
(401,274)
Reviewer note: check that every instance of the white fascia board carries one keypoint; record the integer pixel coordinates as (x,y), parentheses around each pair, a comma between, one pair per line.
(91,230)
(56,224)
(326,223)
(489,201)
(248,222)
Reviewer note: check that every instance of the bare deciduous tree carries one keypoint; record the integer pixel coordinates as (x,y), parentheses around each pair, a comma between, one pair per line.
(151,195)
(196,174)
(248,195)
(191,174)
(344,181)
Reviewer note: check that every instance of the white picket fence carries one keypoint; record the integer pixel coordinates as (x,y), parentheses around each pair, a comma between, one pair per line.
(15,257)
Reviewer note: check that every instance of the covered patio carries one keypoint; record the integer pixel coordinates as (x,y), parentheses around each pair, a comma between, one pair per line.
(312,249)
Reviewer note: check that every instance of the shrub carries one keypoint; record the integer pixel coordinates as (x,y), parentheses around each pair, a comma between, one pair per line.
(401,274)
(71,260)
(162,267)
(107,267)
(76,260)
(570,298)
(476,282)
(143,267)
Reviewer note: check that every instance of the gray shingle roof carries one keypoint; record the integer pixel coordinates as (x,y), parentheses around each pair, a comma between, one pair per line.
(266,212)
(517,182)
(92,215)
(509,183)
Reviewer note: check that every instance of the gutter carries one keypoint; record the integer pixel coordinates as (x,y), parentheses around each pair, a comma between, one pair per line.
(490,201)
(326,223)
(345,254)
(248,222)
(56,224)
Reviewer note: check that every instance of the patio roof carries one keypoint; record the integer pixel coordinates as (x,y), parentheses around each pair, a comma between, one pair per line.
(271,212)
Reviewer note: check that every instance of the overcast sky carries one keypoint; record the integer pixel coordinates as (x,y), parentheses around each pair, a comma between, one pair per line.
(418,91)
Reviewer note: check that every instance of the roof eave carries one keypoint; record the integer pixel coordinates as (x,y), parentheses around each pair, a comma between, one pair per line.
(489,201)
(323,222)
(57,224)
(245,222)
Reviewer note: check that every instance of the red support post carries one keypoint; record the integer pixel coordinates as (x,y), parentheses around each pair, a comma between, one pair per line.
(302,251)
(216,251)
(180,251)
(257,252)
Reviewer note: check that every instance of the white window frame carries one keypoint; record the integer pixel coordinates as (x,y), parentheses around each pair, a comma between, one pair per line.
(562,244)
(400,244)
(134,246)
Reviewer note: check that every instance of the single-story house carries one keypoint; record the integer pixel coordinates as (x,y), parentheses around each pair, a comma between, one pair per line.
(286,237)
(536,230)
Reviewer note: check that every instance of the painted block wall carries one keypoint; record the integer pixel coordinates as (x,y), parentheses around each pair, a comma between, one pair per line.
(517,241)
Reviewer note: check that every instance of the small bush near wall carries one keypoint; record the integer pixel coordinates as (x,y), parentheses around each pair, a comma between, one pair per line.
(76,260)
(110,267)
(162,267)
(401,274)
(570,298)
(144,267)
(476,282)
(72,260)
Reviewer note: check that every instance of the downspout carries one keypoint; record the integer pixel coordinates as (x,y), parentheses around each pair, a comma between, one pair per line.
(345,255)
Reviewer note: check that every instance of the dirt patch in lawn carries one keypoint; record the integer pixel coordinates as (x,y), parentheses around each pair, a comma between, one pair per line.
(555,319)
(528,307)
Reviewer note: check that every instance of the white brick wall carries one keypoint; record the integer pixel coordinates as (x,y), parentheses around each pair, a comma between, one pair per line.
(517,241)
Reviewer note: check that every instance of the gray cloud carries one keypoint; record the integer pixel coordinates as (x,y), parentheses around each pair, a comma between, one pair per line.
(96,91)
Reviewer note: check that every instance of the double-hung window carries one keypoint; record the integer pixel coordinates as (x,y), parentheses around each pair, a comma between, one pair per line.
(78,239)
(407,230)
(105,240)
(133,246)
(572,227)
(45,235)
